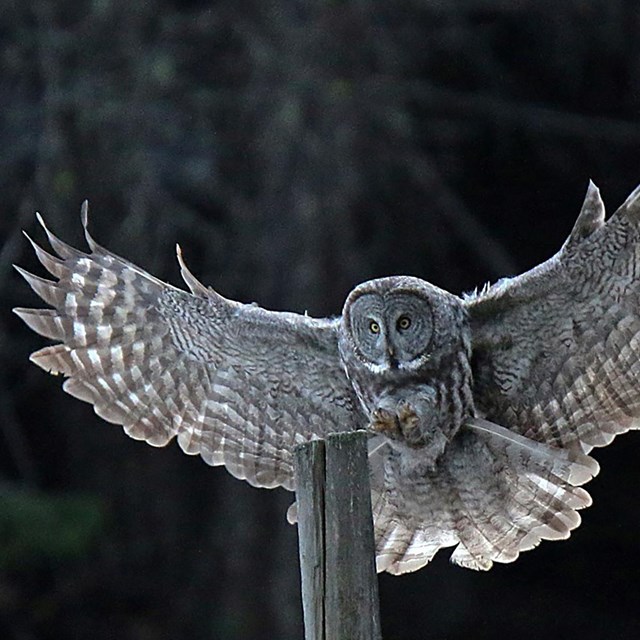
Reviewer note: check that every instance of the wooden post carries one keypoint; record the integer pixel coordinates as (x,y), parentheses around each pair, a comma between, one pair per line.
(310,483)
(335,531)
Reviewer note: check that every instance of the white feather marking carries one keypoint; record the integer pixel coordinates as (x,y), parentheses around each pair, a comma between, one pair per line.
(580,469)
(104,332)
(71,303)
(544,484)
(79,332)
(119,381)
(95,307)
(135,373)
(376,368)
(116,355)
(77,278)
(76,359)
(105,385)
(94,358)
(138,349)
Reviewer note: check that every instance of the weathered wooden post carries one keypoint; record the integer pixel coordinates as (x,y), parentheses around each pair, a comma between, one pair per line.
(335,532)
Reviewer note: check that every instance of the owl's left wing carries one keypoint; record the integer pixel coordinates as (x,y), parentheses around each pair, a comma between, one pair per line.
(237,384)
(556,365)
(556,351)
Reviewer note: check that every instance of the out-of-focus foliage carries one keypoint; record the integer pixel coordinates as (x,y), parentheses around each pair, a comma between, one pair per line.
(293,148)
(37,527)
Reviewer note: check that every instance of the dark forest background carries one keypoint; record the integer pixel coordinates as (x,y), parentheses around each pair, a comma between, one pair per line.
(294,149)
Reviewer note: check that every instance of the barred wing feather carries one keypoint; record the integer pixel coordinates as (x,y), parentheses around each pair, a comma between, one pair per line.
(237,384)
(557,349)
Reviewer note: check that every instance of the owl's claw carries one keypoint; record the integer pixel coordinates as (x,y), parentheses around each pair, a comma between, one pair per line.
(385,422)
(408,418)
(401,424)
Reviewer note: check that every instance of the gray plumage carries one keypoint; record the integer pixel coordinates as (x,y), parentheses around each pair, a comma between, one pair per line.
(482,410)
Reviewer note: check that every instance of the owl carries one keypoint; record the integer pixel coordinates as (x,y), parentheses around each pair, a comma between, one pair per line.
(481,410)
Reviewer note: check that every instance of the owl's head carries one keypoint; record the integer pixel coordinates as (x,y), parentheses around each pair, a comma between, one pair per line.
(399,322)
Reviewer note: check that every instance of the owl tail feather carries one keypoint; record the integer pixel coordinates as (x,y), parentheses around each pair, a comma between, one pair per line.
(541,500)
(572,466)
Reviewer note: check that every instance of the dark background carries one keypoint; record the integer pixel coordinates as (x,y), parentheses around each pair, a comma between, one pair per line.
(294,149)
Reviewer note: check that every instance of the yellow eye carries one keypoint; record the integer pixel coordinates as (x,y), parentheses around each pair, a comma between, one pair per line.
(404,322)
(374,327)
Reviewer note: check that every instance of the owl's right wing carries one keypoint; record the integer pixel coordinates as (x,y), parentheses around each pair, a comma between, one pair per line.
(235,383)
(556,350)
(556,365)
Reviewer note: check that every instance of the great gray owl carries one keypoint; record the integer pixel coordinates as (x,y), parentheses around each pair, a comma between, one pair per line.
(481,410)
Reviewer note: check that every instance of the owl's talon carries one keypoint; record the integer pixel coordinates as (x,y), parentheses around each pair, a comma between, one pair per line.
(407,417)
(401,424)
(385,422)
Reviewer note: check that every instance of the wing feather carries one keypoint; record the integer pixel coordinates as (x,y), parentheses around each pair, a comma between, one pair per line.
(556,361)
(236,384)
(557,349)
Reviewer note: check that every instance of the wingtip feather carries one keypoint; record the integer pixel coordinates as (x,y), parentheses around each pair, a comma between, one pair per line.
(84,219)
(64,250)
(84,214)
(41,221)
(195,286)
(46,289)
(54,265)
(631,206)
(590,218)
(42,321)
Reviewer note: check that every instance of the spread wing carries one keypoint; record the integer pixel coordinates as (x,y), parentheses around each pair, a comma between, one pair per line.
(556,362)
(557,350)
(237,384)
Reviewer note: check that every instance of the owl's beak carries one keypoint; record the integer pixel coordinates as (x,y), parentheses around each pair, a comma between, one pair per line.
(392,356)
